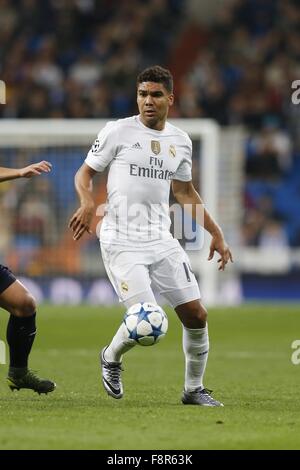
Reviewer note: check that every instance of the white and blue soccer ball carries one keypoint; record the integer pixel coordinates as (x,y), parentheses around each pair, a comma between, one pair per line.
(146,323)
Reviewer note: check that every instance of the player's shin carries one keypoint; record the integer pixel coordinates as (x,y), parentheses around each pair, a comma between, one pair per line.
(21,332)
(119,345)
(195,347)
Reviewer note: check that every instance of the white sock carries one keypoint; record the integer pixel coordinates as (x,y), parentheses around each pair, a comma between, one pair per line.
(119,345)
(195,348)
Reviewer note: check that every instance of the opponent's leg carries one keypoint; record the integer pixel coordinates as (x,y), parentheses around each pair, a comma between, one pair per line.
(21,332)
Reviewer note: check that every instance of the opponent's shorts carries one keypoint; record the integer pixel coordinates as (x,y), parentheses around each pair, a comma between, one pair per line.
(135,273)
(6,278)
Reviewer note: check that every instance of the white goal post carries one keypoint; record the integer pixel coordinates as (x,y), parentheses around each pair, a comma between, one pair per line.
(220,176)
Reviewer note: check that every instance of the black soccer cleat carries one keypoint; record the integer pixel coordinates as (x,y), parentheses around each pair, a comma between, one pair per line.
(199,397)
(31,381)
(111,376)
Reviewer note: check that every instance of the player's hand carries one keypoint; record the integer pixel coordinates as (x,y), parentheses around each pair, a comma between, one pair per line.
(80,222)
(218,244)
(35,169)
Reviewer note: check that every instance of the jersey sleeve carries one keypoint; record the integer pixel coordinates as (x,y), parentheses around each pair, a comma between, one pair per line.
(184,170)
(104,148)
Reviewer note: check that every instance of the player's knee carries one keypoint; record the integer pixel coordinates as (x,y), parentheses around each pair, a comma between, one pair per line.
(26,307)
(200,314)
(192,315)
(203,314)
(197,316)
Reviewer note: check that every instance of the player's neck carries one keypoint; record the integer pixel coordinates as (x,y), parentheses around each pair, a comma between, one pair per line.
(158,126)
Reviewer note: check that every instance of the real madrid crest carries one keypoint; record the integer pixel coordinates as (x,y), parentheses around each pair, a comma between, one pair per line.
(172,151)
(155,146)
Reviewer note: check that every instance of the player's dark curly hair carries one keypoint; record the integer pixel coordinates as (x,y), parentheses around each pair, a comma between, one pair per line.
(157,74)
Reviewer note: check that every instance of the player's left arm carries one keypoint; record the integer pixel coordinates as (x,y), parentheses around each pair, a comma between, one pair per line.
(187,196)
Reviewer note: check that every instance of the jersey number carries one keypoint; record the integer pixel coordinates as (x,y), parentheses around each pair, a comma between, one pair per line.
(187,270)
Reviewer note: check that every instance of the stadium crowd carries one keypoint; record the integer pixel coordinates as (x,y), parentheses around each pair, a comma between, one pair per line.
(79,58)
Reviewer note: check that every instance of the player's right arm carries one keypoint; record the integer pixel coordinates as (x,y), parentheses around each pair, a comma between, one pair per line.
(81,220)
(99,157)
(34,169)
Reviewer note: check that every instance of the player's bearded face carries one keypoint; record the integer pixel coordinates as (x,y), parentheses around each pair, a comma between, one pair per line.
(153,102)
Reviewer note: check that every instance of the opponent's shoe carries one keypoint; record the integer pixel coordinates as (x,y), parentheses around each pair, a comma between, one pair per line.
(111,376)
(199,397)
(31,381)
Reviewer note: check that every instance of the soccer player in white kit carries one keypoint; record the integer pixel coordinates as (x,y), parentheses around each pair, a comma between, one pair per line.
(145,155)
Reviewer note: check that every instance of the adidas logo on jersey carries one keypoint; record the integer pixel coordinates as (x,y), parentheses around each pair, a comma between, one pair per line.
(137,146)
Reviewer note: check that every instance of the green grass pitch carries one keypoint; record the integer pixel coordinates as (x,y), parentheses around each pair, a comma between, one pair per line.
(249,369)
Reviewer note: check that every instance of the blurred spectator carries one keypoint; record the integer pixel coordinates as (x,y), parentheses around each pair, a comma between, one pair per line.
(252,227)
(35,104)
(273,235)
(269,151)
(45,71)
(35,215)
(86,71)
(189,102)
(54,54)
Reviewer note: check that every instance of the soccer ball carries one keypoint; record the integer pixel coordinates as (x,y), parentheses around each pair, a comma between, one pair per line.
(146,323)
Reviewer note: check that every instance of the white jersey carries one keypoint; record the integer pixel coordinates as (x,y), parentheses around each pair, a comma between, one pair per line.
(141,164)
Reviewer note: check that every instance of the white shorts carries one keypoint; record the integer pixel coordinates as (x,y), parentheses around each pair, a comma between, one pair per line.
(164,268)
